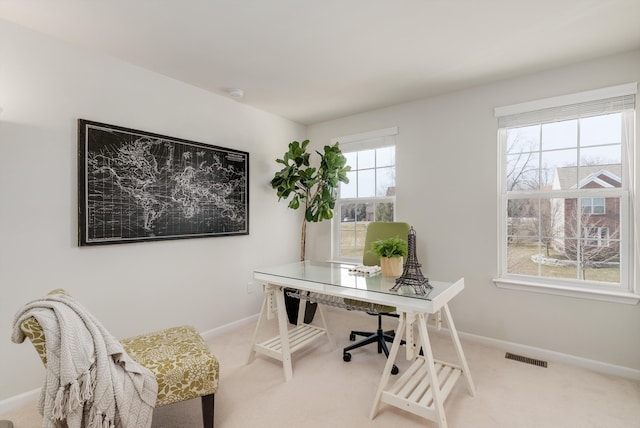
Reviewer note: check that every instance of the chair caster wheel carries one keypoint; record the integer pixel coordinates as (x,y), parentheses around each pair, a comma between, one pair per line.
(394,370)
(346,357)
(352,337)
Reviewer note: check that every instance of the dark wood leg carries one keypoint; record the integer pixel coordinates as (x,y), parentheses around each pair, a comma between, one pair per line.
(208,402)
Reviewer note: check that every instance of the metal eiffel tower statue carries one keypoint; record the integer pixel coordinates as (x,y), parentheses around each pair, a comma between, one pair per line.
(412,275)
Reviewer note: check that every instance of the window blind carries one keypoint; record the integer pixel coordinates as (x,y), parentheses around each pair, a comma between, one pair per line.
(583,104)
(568,112)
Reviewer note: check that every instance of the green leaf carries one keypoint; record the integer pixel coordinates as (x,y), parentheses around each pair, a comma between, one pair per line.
(295,203)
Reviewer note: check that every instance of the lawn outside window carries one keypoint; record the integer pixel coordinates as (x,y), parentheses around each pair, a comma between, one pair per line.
(566,190)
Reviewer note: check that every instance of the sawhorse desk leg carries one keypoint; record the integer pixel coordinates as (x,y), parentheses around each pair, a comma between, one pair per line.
(277,347)
(425,385)
(471,388)
(288,341)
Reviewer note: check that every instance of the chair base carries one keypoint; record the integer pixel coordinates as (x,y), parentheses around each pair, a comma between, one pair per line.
(380,337)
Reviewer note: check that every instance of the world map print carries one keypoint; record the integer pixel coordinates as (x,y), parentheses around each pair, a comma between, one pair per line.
(140,186)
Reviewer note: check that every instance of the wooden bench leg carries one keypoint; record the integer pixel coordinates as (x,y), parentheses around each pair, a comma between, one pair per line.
(208,402)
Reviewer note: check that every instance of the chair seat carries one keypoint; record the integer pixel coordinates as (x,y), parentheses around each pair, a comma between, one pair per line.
(180,359)
(370,307)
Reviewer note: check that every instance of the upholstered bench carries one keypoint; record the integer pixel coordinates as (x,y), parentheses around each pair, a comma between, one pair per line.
(181,361)
(178,357)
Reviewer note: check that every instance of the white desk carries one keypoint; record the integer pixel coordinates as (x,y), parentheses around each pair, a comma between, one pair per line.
(424,386)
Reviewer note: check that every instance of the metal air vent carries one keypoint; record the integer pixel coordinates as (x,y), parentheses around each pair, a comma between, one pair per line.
(527,360)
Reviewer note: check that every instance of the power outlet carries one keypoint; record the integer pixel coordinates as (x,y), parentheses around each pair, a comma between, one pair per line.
(252,286)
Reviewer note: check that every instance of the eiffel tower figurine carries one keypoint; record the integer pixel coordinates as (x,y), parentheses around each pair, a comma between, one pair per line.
(412,275)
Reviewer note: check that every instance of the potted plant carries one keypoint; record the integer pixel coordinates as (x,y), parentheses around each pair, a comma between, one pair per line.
(312,188)
(392,252)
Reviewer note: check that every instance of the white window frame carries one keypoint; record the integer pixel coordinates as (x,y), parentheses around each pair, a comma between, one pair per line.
(352,143)
(627,292)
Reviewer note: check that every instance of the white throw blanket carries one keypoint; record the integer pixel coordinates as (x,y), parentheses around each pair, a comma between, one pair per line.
(90,380)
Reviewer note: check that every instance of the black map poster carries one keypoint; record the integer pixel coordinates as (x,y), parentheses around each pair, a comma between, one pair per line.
(137,186)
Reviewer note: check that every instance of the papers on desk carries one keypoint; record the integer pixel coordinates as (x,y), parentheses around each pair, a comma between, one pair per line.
(365,270)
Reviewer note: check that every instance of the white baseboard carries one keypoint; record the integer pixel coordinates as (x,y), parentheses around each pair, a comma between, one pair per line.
(209,334)
(545,354)
(9,404)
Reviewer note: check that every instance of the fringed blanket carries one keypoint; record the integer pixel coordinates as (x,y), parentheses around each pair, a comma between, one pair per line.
(90,380)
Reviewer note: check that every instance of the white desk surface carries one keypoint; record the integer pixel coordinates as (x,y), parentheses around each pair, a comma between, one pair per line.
(334,279)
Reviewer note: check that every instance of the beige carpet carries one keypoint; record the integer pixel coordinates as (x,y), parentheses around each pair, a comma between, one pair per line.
(326,392)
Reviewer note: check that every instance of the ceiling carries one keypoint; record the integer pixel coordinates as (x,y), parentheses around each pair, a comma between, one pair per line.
(316,60)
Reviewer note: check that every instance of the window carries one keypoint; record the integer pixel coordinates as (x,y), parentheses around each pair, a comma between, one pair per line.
(370,194)
(593,206)
(565,193)
(596,236)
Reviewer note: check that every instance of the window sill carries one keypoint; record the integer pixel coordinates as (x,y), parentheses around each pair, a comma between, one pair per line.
(559,290)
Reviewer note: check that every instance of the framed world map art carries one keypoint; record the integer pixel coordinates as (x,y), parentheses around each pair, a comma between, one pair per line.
(138,186)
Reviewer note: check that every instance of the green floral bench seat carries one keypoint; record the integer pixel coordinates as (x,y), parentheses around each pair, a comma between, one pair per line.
(178,357)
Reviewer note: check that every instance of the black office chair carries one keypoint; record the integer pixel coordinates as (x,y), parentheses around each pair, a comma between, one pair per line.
(376,231)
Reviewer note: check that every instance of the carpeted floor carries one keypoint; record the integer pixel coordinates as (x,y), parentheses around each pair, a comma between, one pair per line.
(326,392)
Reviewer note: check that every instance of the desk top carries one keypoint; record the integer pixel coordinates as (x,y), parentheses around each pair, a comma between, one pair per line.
(335,279)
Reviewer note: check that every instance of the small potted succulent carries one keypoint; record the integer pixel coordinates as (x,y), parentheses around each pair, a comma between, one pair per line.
(392,252)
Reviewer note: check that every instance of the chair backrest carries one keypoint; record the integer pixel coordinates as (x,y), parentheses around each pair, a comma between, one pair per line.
(33,331)
(378,230)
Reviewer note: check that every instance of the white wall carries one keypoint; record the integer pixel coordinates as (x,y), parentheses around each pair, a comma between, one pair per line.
(447,189)
(45,86)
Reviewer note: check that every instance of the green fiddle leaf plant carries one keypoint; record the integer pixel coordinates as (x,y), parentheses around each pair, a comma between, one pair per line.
(310,187)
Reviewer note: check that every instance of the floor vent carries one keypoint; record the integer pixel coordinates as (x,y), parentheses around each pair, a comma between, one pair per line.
(527,360)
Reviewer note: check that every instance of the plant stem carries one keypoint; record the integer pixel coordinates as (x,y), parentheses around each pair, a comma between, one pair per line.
(303,239)
(303,232)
